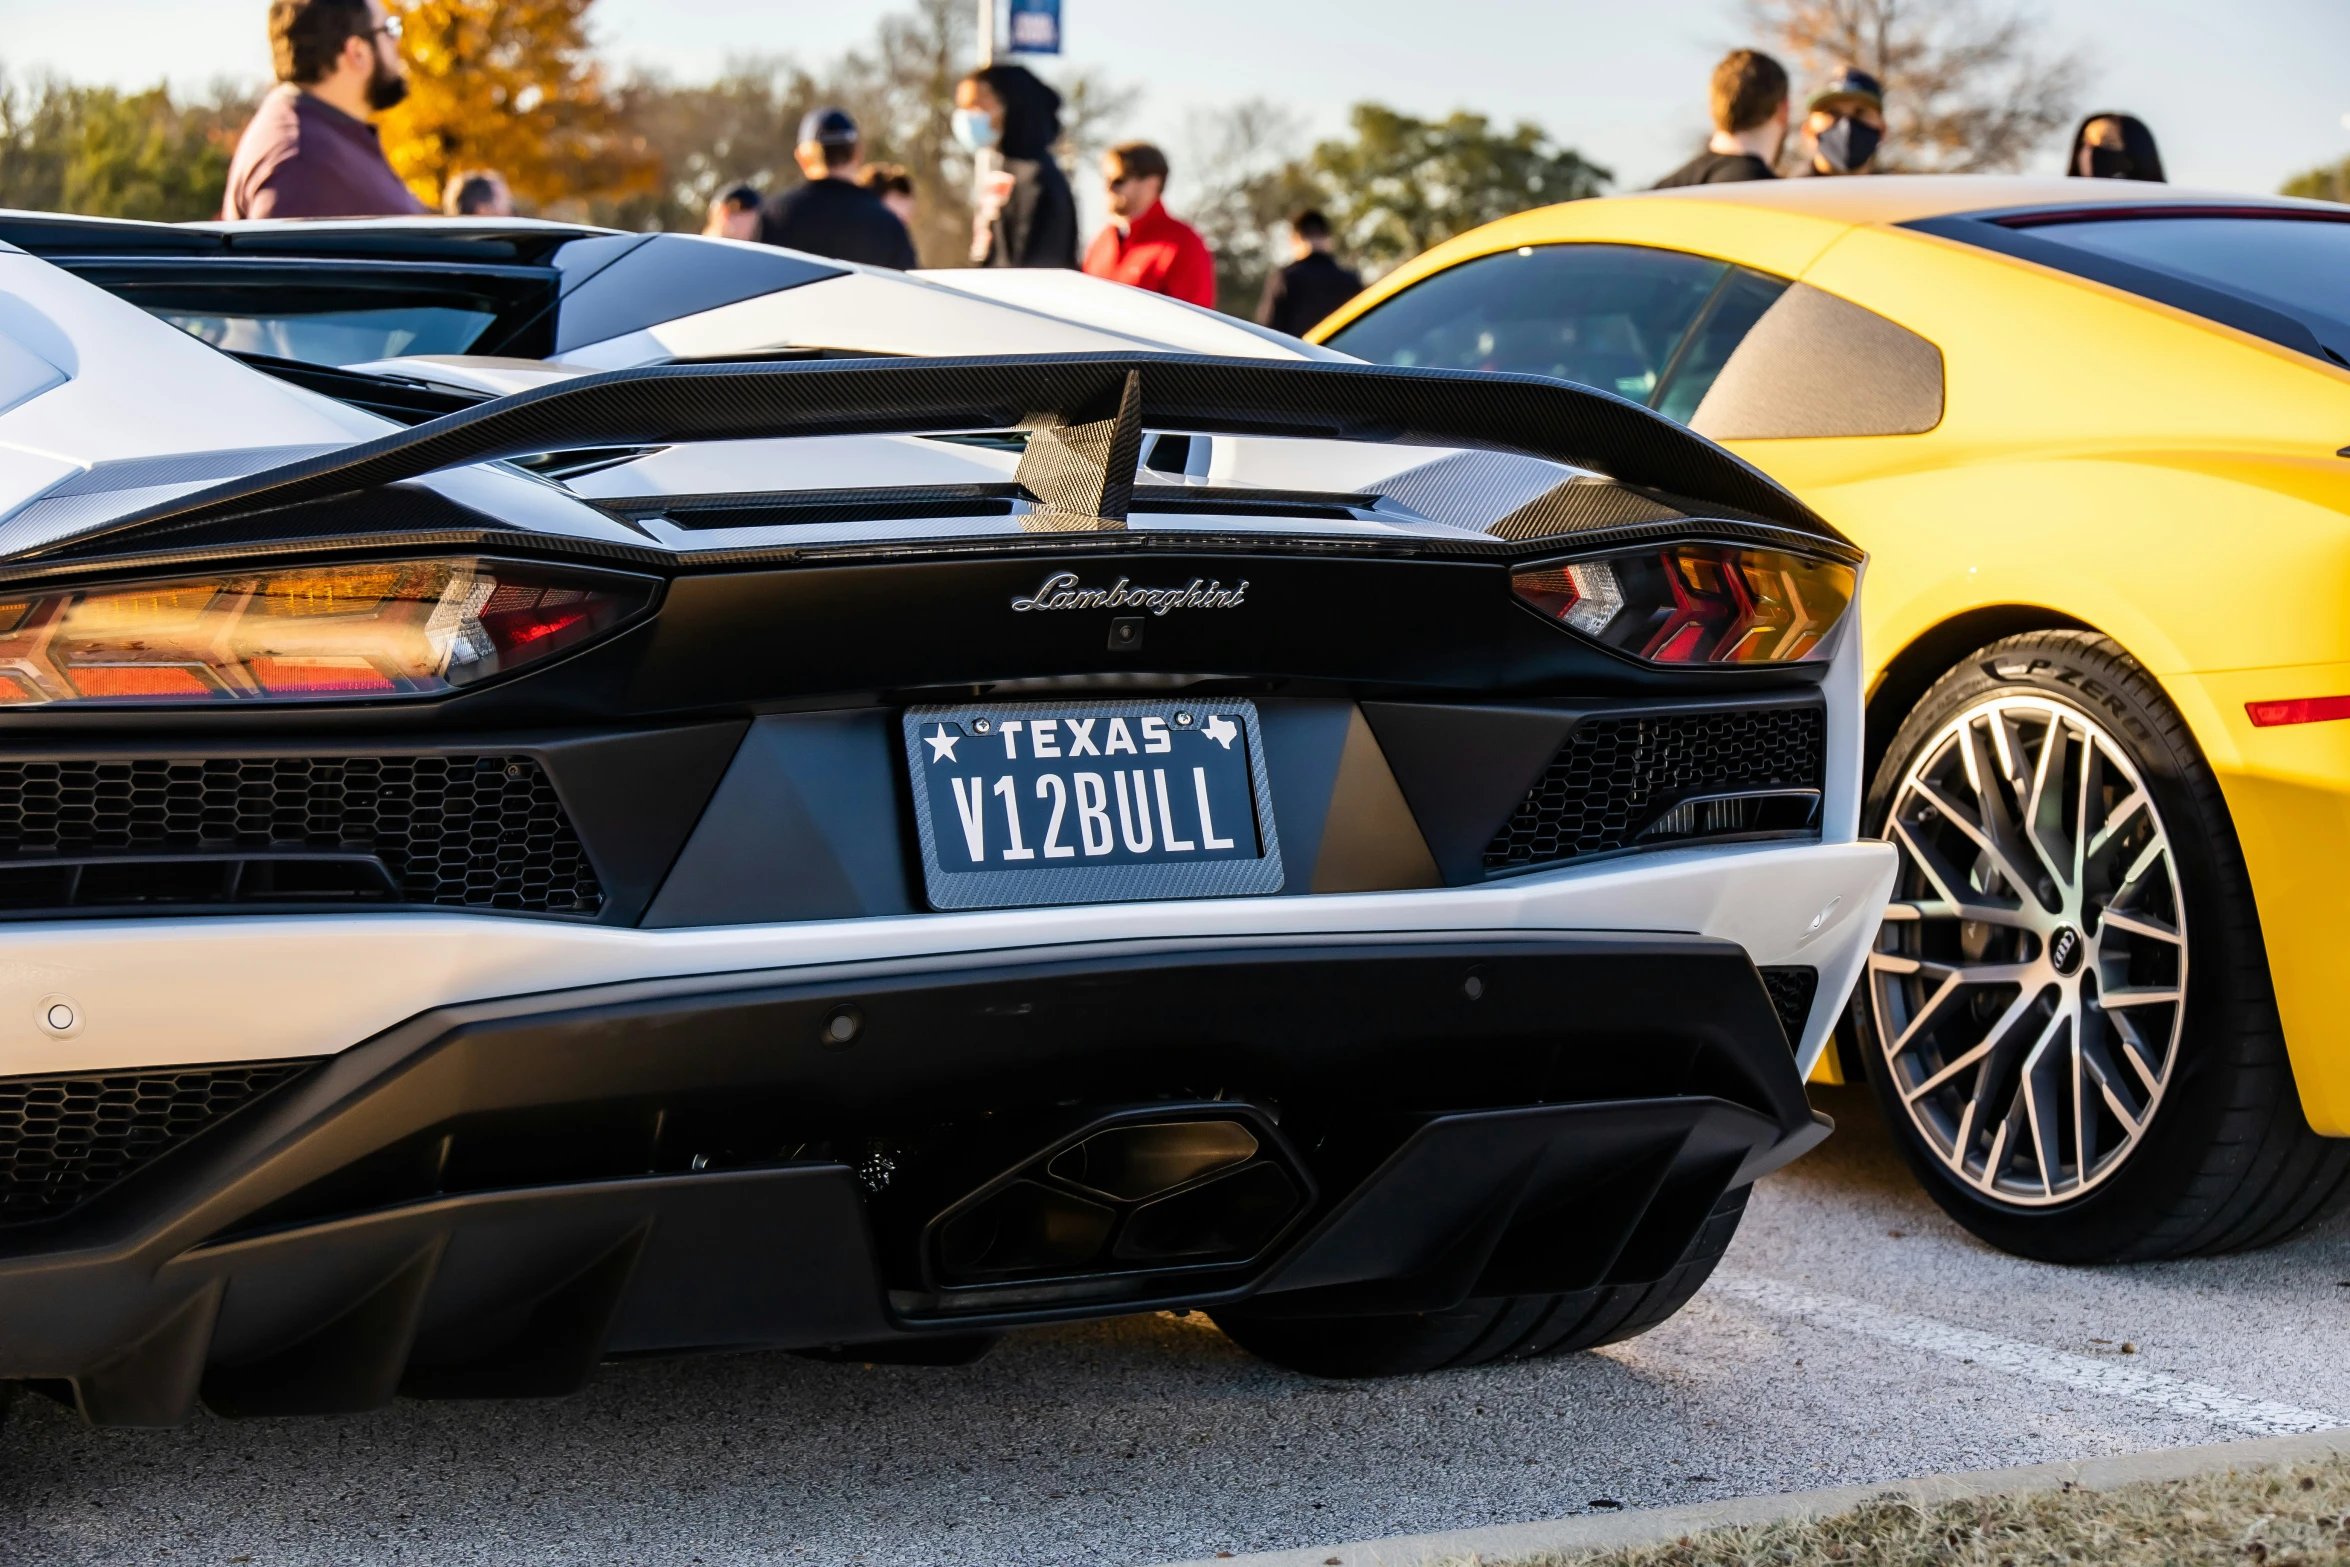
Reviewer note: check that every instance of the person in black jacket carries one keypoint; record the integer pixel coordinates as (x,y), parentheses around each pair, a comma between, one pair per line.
(1312,285)
(831,215)
(1750,123)
(1027,215)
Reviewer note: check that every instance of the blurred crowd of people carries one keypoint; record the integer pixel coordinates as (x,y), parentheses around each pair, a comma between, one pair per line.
(1844,126)
(312,151)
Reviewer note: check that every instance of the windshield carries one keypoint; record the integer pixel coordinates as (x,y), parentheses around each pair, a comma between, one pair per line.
(2297,266)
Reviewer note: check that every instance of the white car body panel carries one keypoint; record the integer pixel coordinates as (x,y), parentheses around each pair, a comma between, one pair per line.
(167,992)
(87,380)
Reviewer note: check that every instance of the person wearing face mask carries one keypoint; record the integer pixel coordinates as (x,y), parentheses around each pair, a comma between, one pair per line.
(2112,146)
(1846,124)
(309,151)
(1026,215)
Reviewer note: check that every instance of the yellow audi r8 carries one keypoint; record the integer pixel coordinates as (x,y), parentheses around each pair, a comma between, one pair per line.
(2092,436)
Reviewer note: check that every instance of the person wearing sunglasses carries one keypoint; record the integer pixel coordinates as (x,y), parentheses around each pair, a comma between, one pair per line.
(310,151)
(1143,243)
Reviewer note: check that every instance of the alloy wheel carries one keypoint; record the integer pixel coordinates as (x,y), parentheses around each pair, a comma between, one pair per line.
(2029,981)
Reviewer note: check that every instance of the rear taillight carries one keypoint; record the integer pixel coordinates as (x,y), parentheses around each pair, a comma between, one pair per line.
(1696,603)
(302,634)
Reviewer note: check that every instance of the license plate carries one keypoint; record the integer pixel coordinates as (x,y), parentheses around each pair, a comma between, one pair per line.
(1023,803)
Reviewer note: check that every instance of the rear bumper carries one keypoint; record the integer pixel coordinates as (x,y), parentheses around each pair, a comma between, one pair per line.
(489,1198)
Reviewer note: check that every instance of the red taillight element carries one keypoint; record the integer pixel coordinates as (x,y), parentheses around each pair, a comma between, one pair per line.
(1697,603)
(2299,710)
(314,633)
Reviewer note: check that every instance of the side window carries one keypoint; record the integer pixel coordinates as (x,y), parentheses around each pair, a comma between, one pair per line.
(1736,306)
(1652,325)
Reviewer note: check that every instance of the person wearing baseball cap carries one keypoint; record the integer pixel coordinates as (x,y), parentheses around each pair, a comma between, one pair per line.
(831,214)
(1845,125)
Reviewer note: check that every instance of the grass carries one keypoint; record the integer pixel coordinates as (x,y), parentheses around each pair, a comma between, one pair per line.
(2297,1517)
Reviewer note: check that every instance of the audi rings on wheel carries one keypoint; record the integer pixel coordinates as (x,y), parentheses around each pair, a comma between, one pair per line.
(2029,982)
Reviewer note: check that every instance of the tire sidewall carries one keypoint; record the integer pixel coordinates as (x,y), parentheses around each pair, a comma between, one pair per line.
(2096,679)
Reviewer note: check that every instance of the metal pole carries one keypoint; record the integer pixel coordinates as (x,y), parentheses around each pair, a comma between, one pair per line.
(983,162)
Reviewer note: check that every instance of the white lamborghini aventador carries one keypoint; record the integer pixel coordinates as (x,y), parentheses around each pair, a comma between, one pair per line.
(566,794)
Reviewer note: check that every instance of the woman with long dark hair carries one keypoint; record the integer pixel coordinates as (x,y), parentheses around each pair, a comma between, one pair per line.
(2111,146)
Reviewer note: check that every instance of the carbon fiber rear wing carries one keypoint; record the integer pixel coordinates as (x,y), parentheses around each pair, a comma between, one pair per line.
(1086,413)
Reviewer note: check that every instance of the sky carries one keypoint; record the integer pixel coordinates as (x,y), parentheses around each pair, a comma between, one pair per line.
(2240,95)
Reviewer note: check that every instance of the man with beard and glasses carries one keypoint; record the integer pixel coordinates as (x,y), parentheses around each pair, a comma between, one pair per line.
(310,151)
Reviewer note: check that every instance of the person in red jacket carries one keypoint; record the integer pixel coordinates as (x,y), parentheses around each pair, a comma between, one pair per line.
(1143,244)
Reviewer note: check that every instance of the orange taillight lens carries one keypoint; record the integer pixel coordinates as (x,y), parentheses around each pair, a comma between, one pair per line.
(313,633)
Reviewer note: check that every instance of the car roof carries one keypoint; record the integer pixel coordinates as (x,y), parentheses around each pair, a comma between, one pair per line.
(1905,198)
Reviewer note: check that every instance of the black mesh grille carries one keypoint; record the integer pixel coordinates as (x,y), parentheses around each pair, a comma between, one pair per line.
(63,1140)
(483,832)
(1615,776)
(1792,987)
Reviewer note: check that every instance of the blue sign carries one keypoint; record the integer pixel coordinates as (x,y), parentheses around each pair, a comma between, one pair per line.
(1036,26)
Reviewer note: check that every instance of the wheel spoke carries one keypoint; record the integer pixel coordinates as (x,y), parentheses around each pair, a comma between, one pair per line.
(2098,1062)
(2138,925)
(2156,849)
(2044,811)
(2045,1149)
(2135,1051)
(2116,821)
(1987,837)
(2138,996)
(1947,882)
(1947,1073)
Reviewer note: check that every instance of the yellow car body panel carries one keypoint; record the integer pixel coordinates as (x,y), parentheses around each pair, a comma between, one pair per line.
(2111,460)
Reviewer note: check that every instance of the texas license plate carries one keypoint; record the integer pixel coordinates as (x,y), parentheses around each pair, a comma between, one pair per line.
(1091,802)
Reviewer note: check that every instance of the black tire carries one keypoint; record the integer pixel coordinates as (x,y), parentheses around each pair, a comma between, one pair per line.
(1511,1327)
(2226,1161)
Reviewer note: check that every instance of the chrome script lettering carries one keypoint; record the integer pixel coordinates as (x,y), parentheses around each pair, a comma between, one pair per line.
(1060,591)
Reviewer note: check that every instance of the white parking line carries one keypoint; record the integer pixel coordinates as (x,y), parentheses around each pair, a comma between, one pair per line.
(2061,1368)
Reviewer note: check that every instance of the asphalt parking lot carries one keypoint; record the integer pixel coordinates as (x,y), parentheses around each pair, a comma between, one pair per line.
(1854,1334)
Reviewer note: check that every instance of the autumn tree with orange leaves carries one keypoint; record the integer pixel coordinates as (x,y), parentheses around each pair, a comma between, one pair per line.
(510,85)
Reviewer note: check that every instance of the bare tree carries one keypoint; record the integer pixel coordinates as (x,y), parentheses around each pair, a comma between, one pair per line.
(1237,181)
(1966,91)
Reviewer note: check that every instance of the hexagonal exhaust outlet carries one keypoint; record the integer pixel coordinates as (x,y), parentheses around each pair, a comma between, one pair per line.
(1134,1162)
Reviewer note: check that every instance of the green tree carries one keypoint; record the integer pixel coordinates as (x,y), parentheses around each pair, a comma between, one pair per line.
(105,153)
(2329,183)
(1402,184)
(141,156)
